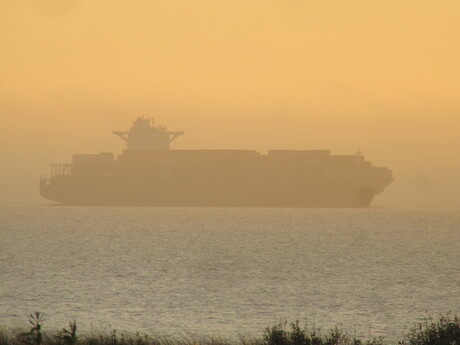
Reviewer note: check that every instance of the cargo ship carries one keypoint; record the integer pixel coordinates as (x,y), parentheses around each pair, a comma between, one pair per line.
(149,173)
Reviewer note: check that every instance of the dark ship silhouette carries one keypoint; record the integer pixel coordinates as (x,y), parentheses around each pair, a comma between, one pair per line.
(148,173)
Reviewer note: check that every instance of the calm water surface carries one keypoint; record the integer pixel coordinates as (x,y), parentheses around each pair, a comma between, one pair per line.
(228,271)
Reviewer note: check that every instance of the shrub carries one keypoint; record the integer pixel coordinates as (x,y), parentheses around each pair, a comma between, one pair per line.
(445,331)
(279,335)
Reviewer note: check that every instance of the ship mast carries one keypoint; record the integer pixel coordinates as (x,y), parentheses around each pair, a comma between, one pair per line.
(359,158)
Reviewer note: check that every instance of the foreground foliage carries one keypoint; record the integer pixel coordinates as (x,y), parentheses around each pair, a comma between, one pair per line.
(280,335)
(445,331)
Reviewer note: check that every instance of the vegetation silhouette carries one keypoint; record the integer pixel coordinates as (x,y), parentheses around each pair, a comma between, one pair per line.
(444,331)
(69,336)
(34,336)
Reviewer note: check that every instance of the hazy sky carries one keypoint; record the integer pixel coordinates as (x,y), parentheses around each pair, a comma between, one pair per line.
(381,76)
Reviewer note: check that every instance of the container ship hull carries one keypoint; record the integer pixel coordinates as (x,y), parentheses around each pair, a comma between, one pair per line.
(115,191)
(148,173)
(217,178)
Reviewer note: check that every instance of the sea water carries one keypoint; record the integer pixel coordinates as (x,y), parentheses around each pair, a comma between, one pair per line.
(228,271)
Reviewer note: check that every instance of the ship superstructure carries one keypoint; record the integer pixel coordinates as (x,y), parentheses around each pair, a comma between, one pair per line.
(149,173)
(144,135)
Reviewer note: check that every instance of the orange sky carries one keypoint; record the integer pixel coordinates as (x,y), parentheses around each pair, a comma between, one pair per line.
(382,76)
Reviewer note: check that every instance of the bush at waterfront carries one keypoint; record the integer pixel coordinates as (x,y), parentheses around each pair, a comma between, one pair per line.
(444,331)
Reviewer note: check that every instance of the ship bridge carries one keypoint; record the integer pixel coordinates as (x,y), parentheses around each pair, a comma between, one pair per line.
(144,135)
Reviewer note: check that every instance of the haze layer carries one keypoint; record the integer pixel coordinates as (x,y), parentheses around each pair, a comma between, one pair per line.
(379,76)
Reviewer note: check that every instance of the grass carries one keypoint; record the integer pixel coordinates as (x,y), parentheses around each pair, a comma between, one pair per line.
(444,331)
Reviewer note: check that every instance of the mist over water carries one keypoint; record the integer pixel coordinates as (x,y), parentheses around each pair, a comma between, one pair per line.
(224,271)
(381,77)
